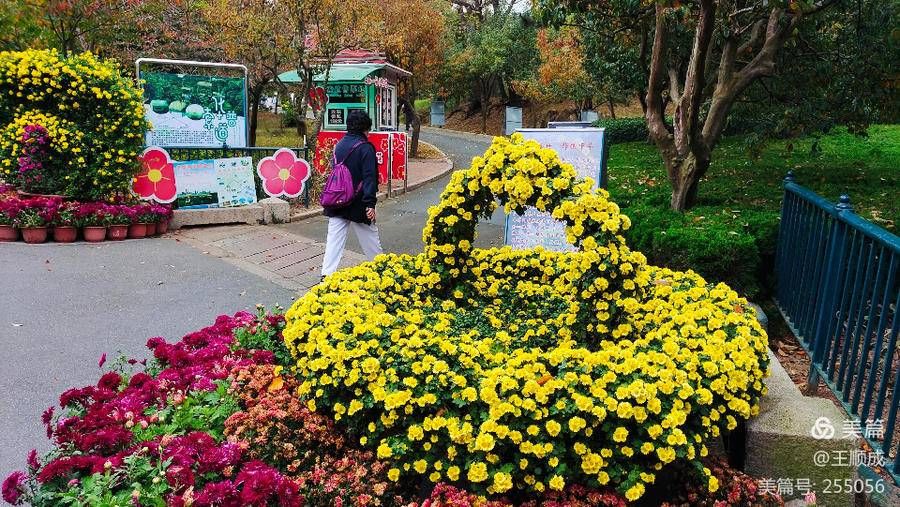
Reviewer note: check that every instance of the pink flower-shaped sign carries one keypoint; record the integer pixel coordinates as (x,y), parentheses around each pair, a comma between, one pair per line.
(283,174)
(156,180)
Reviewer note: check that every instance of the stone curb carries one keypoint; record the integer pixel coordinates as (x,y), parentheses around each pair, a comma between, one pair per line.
(317,211)
(780,442)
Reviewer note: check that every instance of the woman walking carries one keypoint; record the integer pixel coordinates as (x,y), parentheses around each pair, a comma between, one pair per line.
(356,153)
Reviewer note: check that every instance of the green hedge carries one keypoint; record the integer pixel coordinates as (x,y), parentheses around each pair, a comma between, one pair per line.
(624,130)
(710,241)
(724,238)
(627,130)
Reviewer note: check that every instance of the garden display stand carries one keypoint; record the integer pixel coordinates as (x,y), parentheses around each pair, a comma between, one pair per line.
(523,370)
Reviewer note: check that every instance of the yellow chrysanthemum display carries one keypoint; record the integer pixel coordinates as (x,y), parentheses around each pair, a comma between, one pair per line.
(528,369)
(93,115)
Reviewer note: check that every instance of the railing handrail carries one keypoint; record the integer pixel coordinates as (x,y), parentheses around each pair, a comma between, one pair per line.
(226,147)
(848,216)
(838,288)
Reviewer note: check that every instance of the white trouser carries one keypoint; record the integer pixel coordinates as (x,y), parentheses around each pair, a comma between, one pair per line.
(337,237)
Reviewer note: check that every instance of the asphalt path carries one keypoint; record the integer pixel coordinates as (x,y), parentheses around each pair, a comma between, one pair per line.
(62,306)
(401,220)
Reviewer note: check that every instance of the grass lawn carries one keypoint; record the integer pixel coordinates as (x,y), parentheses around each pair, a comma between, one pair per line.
(270,133)
(730,235)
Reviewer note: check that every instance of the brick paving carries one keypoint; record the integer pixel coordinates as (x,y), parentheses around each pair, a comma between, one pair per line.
(290,260)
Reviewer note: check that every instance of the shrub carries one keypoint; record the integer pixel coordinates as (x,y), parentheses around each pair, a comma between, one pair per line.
(71,126)
(624,130)
(505,370)
(707,240)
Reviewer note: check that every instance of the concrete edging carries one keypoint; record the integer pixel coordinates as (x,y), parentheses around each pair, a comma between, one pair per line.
(782,444)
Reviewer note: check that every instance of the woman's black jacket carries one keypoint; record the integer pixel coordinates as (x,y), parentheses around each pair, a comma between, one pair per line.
(364,168)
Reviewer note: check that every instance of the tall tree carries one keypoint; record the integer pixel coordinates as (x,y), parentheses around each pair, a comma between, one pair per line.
(321,29)
(413,39)
(701,56)
(492,47)
(561,74)
(250,32)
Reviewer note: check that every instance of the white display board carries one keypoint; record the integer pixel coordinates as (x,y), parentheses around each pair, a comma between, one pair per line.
(585,149)
(215,183)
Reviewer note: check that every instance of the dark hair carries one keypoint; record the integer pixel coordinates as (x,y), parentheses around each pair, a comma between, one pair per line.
(359,122)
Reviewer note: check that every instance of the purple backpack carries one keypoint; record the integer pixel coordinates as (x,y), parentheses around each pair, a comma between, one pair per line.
(338,191)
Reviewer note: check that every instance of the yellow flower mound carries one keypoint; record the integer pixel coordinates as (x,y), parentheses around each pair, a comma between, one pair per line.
(501,369)
(93,114)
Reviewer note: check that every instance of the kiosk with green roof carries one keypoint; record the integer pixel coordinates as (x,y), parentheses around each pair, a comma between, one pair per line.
(359,79)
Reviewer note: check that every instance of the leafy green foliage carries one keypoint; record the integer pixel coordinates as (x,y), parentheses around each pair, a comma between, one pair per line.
(198,411)
(730,235)
(624,130)
(265,335)
(140,481)
(837,71)
(487,55)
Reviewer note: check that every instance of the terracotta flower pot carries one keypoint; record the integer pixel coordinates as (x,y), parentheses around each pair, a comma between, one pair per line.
(64,233)
(8,233)
(117,232)
(162,227)
(34,234)
(137,231)
(94,234)
(151,229)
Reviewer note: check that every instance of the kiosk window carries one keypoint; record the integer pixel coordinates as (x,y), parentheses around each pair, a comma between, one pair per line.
(387,107)
(346,94)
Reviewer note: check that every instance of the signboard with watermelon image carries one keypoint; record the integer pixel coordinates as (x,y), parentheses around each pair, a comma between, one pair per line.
(194,110)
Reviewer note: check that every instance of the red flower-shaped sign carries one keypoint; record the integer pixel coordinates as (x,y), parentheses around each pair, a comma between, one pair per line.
(157,178)
(283,174)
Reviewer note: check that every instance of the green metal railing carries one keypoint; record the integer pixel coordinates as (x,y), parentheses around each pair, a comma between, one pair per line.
(839,291)
(184,153)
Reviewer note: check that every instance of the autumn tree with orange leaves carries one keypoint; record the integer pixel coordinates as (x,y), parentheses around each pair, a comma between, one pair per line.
(561,75)
(413,39)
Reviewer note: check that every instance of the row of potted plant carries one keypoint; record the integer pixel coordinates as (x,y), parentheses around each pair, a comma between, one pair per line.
(37,217)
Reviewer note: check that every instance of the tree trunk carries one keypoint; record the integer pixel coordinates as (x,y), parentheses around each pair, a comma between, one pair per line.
(409,104)
(612,108)
(255,96)
(685,174)
(416,128)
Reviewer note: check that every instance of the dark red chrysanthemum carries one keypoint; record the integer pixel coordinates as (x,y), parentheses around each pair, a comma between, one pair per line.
(14,487)
(219,494)
(33,462)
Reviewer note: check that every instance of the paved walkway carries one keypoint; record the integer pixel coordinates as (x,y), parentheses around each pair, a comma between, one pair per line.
(289,260)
